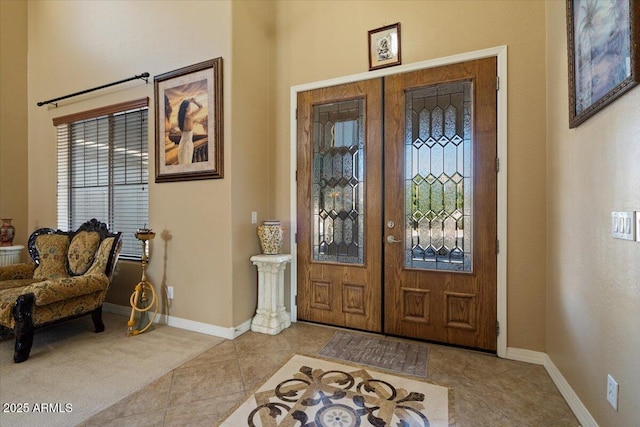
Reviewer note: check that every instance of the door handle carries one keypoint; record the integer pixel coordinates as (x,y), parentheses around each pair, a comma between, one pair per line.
(391,239)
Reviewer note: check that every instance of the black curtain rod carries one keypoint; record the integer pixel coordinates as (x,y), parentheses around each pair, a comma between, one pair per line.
(143,76)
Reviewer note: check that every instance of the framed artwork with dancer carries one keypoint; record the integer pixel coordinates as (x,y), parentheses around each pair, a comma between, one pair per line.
(188,114)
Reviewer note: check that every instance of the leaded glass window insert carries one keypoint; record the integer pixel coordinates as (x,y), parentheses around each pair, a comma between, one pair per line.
(438,177)
(338,182)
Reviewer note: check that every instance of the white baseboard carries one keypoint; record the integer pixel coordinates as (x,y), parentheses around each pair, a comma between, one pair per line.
(190,325)
(529,356)
(581,412)
(539,358)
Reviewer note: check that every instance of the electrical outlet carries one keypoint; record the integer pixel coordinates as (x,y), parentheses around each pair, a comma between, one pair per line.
(254,217)
(612,392)
(169,292)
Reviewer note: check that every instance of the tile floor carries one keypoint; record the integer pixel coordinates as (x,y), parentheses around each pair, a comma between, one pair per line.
(488,391)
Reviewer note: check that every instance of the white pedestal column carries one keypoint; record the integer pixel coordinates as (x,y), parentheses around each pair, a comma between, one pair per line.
(10,254)
(271,317)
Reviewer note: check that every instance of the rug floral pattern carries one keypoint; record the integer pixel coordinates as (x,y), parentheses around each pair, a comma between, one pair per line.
(311,392)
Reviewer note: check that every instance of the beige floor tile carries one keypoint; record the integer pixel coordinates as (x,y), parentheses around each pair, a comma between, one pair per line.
(306,338)
(220,353)
(471,411)
(205,382)
(153,397)
(256,369)
(456,366)
(203,413)
(520,400)
(111,413)
(147,419)
(257,344)
(488,391)
(567,420)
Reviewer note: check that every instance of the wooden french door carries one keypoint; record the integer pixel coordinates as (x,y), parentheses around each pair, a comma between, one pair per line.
(440,261)
(340,205)
(415,235)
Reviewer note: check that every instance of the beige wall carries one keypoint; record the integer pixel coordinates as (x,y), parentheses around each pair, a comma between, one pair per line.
(322,40)
(121,39)
(13,117)
(204,231)
(252,116)
(593,292)
(572,289)
(79,45)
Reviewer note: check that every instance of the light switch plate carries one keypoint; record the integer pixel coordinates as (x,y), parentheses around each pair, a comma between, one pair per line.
(623,225)
(612,392)
(637,226)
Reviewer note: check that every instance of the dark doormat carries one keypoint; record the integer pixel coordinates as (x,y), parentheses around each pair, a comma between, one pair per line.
(393,355)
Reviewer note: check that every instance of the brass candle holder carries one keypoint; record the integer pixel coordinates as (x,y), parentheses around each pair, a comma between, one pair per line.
(140,298)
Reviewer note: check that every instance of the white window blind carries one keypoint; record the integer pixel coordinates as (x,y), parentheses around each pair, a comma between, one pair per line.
(103,170)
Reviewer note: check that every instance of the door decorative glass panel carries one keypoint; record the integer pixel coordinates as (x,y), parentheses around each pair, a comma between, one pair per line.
(337,182)
(438,177)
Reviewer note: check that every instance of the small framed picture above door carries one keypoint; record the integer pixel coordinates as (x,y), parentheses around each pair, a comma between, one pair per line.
(384,47)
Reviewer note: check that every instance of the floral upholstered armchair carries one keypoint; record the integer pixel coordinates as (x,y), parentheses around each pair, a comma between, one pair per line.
(69,277)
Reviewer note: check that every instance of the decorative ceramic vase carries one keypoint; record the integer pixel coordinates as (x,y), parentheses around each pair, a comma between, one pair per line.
(7,231)
(270,234)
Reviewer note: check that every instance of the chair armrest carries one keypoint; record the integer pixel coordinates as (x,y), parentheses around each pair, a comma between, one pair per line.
(50,291)
(17,271)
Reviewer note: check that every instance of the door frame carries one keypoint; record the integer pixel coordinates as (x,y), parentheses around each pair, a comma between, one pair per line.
(500,52)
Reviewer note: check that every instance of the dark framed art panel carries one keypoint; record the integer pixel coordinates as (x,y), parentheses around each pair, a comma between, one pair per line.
(602,42)
(384,47)
(188,119)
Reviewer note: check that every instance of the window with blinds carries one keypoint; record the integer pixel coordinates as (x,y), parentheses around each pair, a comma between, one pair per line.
(103,164)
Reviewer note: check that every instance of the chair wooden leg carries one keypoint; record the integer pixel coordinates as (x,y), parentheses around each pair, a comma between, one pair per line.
(96,316)
(24,329)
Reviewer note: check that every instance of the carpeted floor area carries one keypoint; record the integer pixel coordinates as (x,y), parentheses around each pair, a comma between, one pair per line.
(73,373)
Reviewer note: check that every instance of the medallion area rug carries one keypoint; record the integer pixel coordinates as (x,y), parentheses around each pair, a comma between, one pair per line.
(312,392)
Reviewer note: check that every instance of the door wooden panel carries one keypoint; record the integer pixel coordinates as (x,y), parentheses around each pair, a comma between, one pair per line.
(451,306)
(331,291)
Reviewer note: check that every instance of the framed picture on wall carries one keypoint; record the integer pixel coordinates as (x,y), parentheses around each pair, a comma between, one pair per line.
(384,47)
(188,114)
(603,39)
